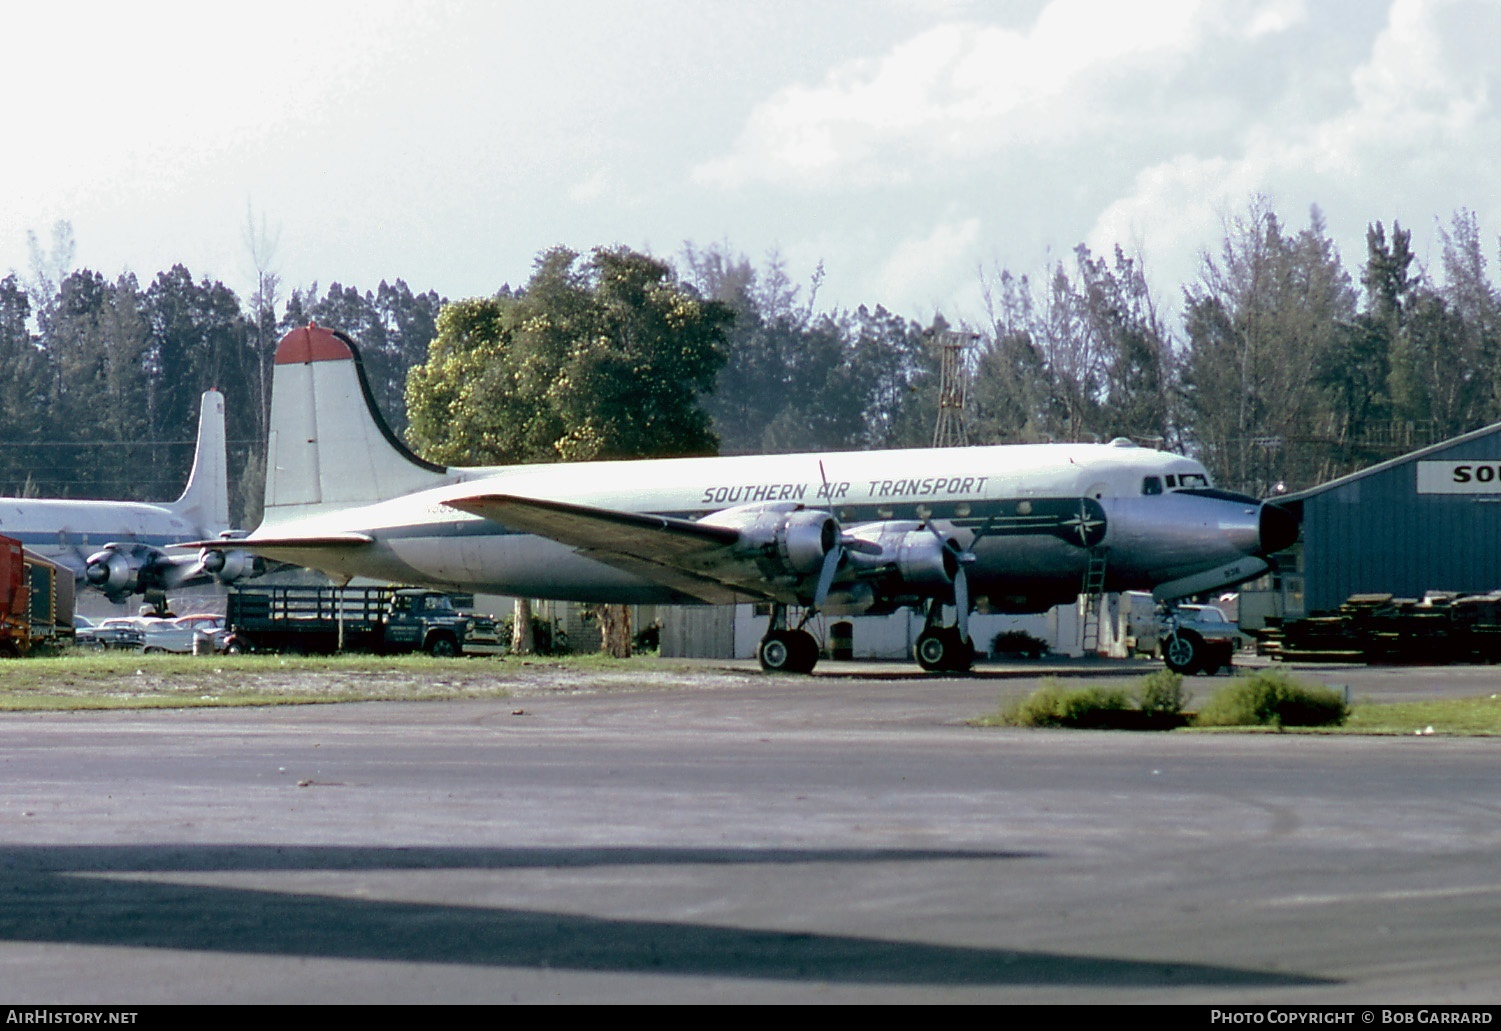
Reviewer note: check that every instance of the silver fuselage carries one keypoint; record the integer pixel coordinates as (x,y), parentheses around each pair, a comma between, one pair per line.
(1037,513)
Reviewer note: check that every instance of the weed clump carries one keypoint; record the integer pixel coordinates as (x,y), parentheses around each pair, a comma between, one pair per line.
(1273,698)
(1053,705)
(1161,693)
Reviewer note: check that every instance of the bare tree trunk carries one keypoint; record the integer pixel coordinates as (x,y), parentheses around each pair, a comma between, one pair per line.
(521,628)
(614,630)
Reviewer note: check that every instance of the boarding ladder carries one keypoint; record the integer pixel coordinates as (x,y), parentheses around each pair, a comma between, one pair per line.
(1089,597)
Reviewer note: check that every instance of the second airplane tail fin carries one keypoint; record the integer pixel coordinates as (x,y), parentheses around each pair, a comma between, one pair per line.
(205,500)
(329,448)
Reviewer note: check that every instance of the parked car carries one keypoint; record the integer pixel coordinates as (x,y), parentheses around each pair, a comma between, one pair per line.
(120,632)
(181,634)
(84,631)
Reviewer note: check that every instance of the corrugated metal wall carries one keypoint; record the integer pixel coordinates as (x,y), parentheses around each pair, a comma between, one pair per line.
(1376,533)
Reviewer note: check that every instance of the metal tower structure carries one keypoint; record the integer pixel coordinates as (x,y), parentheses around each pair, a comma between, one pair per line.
(953,388)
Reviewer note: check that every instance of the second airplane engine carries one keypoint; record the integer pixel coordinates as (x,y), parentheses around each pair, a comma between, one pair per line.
(918,556)
(795,539)
(114,572)
(229,566)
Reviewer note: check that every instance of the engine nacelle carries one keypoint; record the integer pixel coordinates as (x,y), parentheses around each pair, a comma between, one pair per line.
(229,566)
(114,572)
(910,551)
(794,539)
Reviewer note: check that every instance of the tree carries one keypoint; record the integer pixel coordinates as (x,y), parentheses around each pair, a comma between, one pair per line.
(200,339)
(1264,322)
(94,340)
(1086,357)
(596,358)
(23,388)
(797,380)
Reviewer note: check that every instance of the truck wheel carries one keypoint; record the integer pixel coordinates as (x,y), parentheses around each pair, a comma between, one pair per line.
(442,647)
(1183,652)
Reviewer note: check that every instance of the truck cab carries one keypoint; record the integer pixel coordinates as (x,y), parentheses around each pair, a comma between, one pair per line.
(424,621)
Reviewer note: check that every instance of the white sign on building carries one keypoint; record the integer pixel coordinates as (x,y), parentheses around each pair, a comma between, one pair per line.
(1469,477)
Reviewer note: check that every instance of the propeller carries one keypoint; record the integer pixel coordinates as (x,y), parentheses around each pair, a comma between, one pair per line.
(841,546)
(962,557)
(833,557)
(826,575)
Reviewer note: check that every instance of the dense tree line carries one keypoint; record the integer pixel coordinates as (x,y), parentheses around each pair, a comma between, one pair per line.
(100,379)
(1282,365)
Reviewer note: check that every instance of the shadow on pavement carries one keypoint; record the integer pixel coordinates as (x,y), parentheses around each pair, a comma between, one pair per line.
(65,894)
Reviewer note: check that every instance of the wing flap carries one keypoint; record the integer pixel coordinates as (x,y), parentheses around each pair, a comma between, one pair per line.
(254,544)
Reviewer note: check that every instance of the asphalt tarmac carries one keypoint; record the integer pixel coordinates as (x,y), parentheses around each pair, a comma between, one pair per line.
(841,838)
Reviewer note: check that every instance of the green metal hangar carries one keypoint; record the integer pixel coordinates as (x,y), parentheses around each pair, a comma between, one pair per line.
(1427,521)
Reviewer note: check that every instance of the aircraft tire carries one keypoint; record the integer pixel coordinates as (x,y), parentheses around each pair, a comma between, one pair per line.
(942,650)
(788,651)
(1184,653)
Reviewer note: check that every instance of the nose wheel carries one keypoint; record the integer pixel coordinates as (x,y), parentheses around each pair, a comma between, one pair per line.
(1183,652)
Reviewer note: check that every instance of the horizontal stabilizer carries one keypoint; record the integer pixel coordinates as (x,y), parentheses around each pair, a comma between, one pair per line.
(678,553)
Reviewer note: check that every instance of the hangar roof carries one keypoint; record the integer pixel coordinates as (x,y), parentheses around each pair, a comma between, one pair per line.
(1299,497)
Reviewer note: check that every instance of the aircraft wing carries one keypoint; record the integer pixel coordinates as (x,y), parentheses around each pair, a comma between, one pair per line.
(348,539)
(678,553)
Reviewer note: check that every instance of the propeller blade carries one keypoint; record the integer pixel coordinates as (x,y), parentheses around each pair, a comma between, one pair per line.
(961,602)
(826,575)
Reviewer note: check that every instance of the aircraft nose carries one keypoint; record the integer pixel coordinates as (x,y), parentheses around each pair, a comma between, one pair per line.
(1279,529)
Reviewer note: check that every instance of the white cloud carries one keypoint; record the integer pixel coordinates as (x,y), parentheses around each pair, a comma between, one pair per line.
(921,271)
(1415,138)
(1276,16)
(965,90)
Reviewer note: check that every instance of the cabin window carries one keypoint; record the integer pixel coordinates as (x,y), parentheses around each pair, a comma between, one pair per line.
(1151,485)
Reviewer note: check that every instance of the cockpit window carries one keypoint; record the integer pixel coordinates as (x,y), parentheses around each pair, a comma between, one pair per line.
(1172,481)
(1192,480)
(1151,485)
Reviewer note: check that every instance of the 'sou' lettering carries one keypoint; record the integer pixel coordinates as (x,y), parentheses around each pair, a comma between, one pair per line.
(1475,473)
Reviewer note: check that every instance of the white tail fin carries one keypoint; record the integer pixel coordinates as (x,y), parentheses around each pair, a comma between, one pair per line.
(329,448)
(205,501)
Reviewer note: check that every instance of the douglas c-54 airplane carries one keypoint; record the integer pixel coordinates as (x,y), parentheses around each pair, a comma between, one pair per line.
(847,532)
(118,546)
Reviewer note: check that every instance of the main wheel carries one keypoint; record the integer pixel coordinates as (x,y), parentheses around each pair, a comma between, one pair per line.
(442,647)
(942,650)
(788,651)
(1184,652)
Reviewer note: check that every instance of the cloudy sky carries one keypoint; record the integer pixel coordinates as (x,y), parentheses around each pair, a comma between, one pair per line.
(904,143)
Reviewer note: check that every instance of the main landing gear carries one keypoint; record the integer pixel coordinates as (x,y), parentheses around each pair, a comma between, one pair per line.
(939,649)
(787,650)
(943,649)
